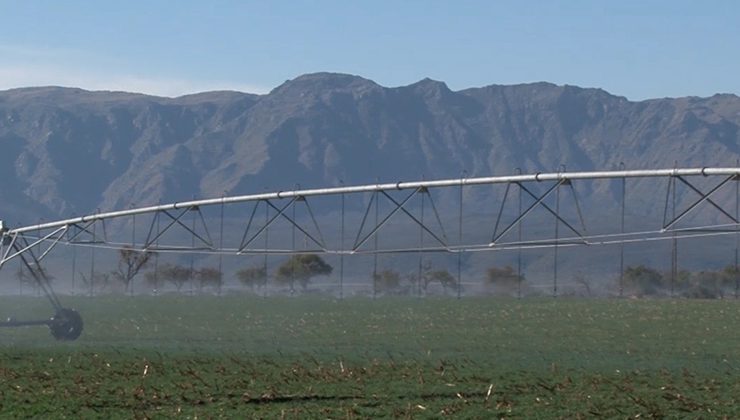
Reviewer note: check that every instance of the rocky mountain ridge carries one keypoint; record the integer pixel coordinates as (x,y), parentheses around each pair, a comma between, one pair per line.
(69,151)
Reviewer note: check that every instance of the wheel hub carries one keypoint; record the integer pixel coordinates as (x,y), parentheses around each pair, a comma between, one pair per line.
(66,325)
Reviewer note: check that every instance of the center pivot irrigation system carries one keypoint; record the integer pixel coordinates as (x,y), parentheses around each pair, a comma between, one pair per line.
(526,193)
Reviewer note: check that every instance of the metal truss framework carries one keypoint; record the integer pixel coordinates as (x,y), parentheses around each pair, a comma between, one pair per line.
(413,202)
(91,230)
(31,244)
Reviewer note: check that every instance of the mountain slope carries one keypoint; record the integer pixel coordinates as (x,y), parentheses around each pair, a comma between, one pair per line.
(69,151)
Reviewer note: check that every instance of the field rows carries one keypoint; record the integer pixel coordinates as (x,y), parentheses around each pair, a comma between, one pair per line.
(316,357)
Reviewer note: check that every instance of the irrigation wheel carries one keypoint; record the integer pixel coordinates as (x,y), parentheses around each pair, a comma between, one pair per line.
(66,325)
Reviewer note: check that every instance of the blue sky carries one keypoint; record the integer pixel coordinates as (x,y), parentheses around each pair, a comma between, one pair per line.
(638,49)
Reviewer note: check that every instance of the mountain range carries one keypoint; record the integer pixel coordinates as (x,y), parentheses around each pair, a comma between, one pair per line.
(66,151)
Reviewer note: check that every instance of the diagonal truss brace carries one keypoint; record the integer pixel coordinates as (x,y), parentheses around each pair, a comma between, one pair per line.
(704,197)
(320,240)
(85,228)
(281,212)
(23,248)
(55,236)
(245,243)
(177,220)
(33,263)
(80,230)
(421,224)
(401,206)
(359,242)
(540,201)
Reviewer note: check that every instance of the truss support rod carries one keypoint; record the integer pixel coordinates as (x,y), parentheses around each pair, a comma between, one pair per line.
(375,243)
(82,229)
(297,226)
(280,211)
(156,261)
(267,245)
(555,213)
(420,223)
(709,200)
(436,215)
(674,243)
(519,249)
(501,209)
(386,218)
(208,242)
(221,246)
(209,239)
(53,244)
(460,239)
(37,273)
(155,222)
(341,256)
(13,237)
(737,234)
(249,223)
(149,242)
(315,223)
(667,199)
(539,177)
(621,245)
(421,249)
(74,266)
(20,250)
(555,249)
(92,265)
(704,197)
(292,246)
(105,231)
(364,217)
(578,208)
(538,200)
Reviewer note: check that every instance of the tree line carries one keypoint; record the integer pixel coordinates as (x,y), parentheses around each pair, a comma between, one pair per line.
(298,271)
(642,281)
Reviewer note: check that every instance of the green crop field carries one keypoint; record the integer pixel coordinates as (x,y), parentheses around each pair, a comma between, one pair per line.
(313,357)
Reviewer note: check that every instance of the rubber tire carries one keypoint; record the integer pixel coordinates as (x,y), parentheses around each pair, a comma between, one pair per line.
(66,325)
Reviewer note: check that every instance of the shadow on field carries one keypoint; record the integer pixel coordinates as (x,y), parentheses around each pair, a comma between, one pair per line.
(273,399)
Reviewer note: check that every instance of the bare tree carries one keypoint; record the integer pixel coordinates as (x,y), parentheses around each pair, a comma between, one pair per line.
(176,274)
(387,281)
(97,279)
(642,280)
(130,262)
(504,280)
(152,278)
(25,277)
(442,277)
(208,276)
(580,279)
(252,276)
